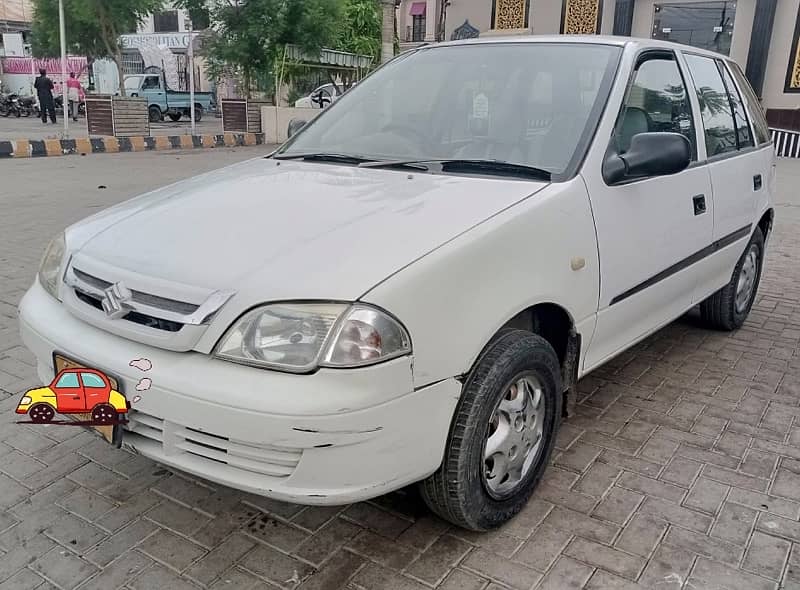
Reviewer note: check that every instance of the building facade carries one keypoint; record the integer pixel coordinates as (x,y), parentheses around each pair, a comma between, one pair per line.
(761,35)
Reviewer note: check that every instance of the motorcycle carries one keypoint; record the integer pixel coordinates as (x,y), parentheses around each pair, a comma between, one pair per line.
(59,101)
(27,106)
(5,105)
(13,105)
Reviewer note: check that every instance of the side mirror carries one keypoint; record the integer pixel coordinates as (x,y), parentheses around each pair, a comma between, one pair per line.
(295,125)
(650,154)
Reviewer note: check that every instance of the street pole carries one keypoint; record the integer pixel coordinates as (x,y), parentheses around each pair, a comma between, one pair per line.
(63,66)
(191,75)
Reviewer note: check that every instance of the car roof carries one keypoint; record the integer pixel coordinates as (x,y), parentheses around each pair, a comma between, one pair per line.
(632,43)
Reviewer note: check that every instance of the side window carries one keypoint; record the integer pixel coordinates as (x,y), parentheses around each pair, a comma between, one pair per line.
(753,105)
(150,82)
(68,380)
(715,108)
(740,116)
(656,101)
(92,380)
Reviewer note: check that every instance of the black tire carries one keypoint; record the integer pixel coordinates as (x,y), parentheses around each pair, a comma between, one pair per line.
(154,113)
(175,117)
(459,490)
(720,311)
(198,113)
(41,413)
(103,414)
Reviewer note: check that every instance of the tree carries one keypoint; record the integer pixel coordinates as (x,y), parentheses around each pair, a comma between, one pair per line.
(360,28)
(249,35)
(93,27)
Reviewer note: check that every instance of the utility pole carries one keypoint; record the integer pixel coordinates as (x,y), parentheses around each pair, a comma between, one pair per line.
(191,72)
(61,28)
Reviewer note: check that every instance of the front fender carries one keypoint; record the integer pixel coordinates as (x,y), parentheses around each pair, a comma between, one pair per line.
(453,300)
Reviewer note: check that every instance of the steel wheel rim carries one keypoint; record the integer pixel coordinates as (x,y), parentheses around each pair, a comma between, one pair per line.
(747,280)
(514,437)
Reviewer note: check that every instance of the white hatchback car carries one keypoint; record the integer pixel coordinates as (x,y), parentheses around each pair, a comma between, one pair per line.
(410,287)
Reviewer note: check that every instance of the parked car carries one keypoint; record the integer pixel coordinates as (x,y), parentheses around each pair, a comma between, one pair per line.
(409,288)
(320,97)
(74,391)
(165,102)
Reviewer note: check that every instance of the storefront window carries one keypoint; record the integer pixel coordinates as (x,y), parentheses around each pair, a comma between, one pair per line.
(707,25)
(165,22)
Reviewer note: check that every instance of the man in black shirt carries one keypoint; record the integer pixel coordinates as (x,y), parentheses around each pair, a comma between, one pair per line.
(44,89)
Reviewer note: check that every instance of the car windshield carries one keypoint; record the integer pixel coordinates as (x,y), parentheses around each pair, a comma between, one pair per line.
(523,103)
(132,83)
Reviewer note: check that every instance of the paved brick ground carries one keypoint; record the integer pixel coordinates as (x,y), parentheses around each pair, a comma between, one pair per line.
(681,469)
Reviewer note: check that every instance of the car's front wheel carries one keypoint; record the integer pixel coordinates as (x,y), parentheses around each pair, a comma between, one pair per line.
(41,413)
(502,434)
(728,308)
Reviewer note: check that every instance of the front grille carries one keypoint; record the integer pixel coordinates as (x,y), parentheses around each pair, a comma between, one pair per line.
(135,317)
(139,297)
(267,460)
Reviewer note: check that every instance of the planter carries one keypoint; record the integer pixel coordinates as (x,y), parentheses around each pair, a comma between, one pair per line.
(119,116)
(242,115)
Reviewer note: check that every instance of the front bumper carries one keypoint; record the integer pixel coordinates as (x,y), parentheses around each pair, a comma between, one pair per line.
(334,437)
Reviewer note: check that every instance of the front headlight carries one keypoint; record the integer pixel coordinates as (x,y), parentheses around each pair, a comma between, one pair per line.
(25,401)
(300,337)
(50,268)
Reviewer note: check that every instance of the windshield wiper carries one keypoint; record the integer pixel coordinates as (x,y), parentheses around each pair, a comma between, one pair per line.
(325,157)
(499,167)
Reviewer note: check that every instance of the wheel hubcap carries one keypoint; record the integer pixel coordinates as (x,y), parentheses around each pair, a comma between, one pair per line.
(514,436)
(747,280)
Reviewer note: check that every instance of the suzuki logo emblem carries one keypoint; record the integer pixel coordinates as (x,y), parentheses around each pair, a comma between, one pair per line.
(114,299)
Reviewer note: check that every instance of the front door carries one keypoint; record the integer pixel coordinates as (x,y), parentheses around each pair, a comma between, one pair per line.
(649,231)
(69,393)
(96,390)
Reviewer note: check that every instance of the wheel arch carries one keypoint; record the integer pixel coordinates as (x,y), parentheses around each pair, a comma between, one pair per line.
(555,324)
(766,221)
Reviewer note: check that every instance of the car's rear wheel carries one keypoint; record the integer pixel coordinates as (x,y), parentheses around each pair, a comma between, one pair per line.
(103,414)
(728,308)
(41,413)
(502,434)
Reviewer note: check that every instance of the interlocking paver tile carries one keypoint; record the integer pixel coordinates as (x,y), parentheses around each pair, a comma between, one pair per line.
(65,569)
(566,573)
(498,568)
(641,534)
(276,566)
(766,555)
(335,573)
(607,558)
(668,568)
(706,495)
(618,505)
(439,559)
(703,545)
(170,549)
(714,574)
(734,523)
(462,580)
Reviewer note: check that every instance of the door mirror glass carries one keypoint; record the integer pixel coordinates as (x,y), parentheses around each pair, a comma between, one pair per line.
(649,154)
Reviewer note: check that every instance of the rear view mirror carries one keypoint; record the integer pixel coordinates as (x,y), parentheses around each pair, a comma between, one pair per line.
(650,154)
(295,125)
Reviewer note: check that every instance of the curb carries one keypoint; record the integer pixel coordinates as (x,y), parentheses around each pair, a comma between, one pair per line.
(37,148)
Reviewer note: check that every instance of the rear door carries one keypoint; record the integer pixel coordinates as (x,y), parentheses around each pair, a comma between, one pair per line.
(648,230)
(95,389)
(69,393)
(739,168)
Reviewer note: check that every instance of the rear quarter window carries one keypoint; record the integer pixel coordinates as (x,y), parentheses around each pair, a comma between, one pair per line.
(754,108)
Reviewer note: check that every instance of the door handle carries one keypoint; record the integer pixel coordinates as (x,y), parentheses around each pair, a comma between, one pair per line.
(699,202)
(757,182)
(76,397)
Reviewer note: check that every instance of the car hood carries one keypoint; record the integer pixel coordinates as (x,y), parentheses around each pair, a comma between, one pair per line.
(281,230)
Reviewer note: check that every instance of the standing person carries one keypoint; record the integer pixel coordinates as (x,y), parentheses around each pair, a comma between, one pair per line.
(75,95)
(44,89)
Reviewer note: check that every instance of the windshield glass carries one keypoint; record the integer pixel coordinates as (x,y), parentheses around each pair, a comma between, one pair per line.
(132,83)
(524,103)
